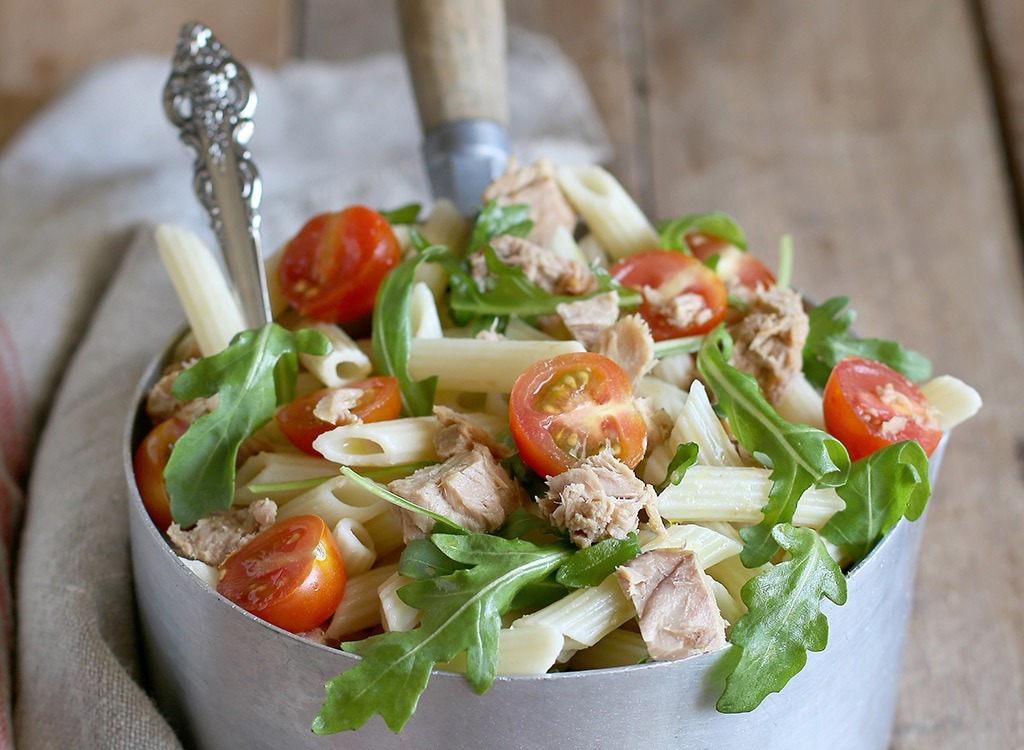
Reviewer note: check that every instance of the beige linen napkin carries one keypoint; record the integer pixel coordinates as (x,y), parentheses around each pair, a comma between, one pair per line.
(93,172)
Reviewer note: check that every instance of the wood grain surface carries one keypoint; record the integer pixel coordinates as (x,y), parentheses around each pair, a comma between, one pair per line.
(888,139)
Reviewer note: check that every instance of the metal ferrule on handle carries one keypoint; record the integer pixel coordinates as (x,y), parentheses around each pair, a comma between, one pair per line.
(462,156)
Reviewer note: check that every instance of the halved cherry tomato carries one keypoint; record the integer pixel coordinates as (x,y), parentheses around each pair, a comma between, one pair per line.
(734,265)
(290,575)
(149,462)
(332,268)
(673,274)
(869,405)
(573,406)
(379,401)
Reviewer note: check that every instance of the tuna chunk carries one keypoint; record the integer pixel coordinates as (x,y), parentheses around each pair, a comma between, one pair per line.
(215,538)
(675,605)
(535,186)
(587,318)
(337,405)
(459,434)
(600,498)
(683,311)
(469,488)
(545,269)
(161,405)
(769,339)
(630,345)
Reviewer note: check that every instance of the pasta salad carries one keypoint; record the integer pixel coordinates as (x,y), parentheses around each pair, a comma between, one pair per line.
(556,438)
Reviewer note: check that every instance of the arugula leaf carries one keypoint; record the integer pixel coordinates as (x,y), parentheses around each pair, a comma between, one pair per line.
(528,479)
(497,221)
(883,487)
(510,292)
(590,566)
(799,455)
(406,214)
(521,522)
(539,594)
(200,475)
(682,345)
(422,560)
(672,233)
(392,333)
(783,619)
(441,524)
(828,342)
(461,613)
(686,456)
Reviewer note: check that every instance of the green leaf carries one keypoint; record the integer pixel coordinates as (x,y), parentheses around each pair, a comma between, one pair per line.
(200,475)
(392,333)
(441,524)
(422,560)
(686,456)
(461,613)
(406,214)
(885,486)
(828,342)
(522,522)
(539,594)
(528,479)
(683,345)
(783,619)
(799,455)
(497,221)
(510,292)
(590,566)
(672,233)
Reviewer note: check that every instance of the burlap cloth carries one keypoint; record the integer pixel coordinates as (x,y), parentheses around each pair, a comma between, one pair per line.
(84,304)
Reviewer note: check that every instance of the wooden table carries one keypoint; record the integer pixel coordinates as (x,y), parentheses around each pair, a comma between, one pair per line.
(888,139)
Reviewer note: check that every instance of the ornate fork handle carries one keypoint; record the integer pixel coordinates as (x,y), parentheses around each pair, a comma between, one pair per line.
(209,97)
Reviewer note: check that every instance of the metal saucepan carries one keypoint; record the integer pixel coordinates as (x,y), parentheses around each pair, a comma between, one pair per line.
(226,679)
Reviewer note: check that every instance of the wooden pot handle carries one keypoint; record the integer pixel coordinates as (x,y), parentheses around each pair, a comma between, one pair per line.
(455,50)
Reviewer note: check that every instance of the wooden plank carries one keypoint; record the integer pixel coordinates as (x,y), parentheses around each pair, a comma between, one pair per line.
(46,43)
(1001,27)
(863,130)
(606,49)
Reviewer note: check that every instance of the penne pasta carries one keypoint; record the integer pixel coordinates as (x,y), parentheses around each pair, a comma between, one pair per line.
(612,215)
(564,246)
(389,443)
(801,404)
(386,532)
(736,494)
(699,424)
(360,606)
(731,609)
(345,363)
(210,304)
(525,650)
(423,318)
(954,400)
(355,545)
(394,613)
(620,648)
(279,468)
(335,499)
(477,365)
(447,226)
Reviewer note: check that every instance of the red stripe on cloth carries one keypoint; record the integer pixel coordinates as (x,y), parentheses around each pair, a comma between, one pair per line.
(14,405)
